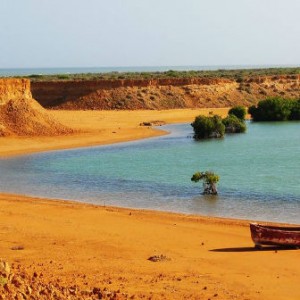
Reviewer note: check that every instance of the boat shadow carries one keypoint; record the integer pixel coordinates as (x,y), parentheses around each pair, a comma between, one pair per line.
(254,249)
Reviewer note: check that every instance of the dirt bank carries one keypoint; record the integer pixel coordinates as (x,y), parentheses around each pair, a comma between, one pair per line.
(21,115)
(170,93)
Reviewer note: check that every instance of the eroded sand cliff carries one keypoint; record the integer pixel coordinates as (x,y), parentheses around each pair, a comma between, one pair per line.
(20,114)
(162,93)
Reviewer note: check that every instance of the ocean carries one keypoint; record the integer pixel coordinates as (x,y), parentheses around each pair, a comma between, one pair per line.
(8,72)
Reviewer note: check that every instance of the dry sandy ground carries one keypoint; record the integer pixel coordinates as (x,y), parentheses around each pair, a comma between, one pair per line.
(93,246)
(100,127)
(207,258)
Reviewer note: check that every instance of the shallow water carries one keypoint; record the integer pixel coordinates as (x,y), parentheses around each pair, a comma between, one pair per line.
(259,173)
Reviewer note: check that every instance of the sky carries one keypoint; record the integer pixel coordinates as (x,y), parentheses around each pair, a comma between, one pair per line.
(105,33)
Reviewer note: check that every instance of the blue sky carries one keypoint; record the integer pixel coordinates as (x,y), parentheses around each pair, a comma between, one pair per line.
(95,33)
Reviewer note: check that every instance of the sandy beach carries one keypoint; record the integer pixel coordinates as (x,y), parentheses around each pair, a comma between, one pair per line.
(101,127)
(92,246)
(109,248)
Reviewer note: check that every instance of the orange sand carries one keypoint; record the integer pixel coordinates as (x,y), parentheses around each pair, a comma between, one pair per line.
(210,258)
(100,127)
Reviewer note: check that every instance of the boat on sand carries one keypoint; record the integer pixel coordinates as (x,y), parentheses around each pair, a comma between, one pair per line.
(275,235)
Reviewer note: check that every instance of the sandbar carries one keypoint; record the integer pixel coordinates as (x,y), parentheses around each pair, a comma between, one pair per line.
(100,128)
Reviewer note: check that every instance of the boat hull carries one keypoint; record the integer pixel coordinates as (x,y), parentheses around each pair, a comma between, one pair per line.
(272,235)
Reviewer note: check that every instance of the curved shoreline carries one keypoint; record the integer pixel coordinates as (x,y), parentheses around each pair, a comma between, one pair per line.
(103,128)
(108,247)
(185,199)
(100,128)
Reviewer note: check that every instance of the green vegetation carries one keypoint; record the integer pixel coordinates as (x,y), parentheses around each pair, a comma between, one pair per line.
(208,127)
(234,125)
(275,109)
(210,180)
(239,75)
(295,111)
(214,127)
(238,111)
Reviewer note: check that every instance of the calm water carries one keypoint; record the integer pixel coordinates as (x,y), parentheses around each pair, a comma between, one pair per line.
(259,173)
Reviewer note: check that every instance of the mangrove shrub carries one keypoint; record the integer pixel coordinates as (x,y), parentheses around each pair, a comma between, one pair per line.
(214,127)
(238,111)
(208,127)
(275,109)
(233,124)
(210,180)
(295,111)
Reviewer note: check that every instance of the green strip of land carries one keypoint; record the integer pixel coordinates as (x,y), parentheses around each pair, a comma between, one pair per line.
(237,74)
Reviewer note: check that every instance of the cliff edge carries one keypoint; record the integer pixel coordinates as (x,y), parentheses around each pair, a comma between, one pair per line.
(163,93)
(21,115)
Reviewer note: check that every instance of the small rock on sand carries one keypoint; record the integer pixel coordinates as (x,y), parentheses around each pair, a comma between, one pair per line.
(157,258)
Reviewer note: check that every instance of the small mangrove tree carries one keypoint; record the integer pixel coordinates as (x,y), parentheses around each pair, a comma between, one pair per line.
(210,181)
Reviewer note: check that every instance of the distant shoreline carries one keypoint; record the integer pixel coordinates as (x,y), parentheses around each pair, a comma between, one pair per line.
(11,72)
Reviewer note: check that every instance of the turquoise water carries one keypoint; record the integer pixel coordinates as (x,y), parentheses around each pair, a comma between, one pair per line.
(259,173)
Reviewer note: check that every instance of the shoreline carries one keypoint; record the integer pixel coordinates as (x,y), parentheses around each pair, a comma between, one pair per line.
(109,247)
(131,132)
(147,211)
(159,213)
(89,140)
(96,128)
(92,246)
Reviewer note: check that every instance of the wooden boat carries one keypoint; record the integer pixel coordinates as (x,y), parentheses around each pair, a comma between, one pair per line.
(275,235)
